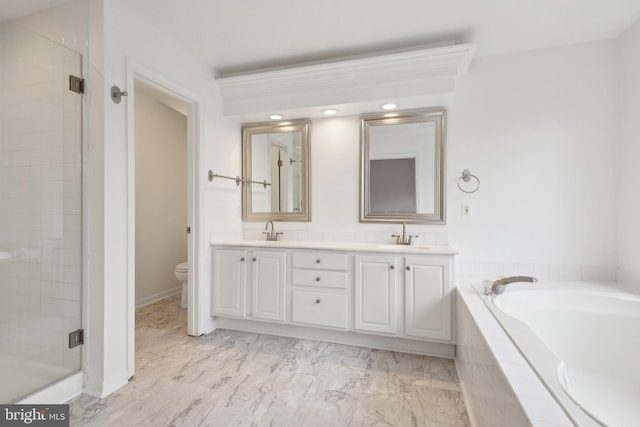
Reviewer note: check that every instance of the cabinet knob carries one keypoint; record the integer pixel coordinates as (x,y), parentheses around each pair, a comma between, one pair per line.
(317,261)
(317,279)
(318,301)
(254,259)
(242,259)
(408,267)
(393,267)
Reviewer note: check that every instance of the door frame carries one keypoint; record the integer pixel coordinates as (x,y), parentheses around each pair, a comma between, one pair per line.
(195,153)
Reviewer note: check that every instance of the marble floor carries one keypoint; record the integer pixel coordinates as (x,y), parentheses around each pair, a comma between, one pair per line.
(229,378)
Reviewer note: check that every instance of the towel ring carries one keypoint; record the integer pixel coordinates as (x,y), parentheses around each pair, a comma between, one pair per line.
(466,177)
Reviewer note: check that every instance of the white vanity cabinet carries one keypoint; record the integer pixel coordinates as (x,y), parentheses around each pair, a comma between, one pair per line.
(427,289)
(384,297)
(268,280)
(320,287)
(375,293)
(264,271)
(380,296)
(230,279)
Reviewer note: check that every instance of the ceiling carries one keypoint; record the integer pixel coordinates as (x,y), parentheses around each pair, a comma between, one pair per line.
(170,101)
(241,36)
(246,35)
(10,9)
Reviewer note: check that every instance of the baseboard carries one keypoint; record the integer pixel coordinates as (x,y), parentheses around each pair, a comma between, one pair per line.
(107,386)
(142,302)
(59,392)
(427,348)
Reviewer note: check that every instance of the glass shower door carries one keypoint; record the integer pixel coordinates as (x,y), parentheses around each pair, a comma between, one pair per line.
(40,212)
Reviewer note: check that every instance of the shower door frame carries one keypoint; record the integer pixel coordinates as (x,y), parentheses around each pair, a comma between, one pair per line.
(195,151)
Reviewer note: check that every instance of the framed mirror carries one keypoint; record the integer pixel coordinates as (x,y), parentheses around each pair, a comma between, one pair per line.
(402,159)
(275,167)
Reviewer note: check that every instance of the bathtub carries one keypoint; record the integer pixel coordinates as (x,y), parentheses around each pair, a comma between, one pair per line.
(584,345)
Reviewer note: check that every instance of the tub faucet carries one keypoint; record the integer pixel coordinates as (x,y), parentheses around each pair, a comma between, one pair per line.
(404,239)
(498,286)
(272,236)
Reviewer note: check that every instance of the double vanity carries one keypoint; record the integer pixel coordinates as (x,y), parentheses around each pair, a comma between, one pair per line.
(387,296)
(383,296)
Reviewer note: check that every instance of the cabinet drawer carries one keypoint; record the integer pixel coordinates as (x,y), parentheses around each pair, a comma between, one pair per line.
(323,278)
(320,309)
(320,260)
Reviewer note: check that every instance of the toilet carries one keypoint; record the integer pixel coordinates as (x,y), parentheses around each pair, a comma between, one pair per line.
(182,274)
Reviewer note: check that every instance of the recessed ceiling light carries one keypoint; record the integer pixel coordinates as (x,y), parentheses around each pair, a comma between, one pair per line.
(389,106)
(329,111)
(276,117)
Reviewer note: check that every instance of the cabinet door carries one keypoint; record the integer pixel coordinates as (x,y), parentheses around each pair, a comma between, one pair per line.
(375,294)
(427,298)
(230,287)
(268,280)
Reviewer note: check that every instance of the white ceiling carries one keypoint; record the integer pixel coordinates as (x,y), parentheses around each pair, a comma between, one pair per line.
(236,36)
(10,9)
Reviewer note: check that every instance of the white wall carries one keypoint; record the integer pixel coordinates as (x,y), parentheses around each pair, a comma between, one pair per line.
(126,37)
(537,128)
(161,196)
(628,96)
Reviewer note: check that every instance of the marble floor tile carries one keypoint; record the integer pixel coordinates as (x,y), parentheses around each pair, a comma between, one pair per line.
(231,378)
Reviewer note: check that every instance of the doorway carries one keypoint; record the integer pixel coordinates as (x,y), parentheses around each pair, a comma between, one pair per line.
(161,195)
(183,206)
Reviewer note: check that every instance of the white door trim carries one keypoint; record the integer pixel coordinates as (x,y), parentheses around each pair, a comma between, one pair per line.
(137,71)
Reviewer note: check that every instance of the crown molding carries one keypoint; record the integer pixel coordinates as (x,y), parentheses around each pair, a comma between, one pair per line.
(415,73)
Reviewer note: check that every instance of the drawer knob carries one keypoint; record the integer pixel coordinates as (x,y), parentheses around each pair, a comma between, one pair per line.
(318,301)
(242,259)
(393,267)
(317,261)
(317,279)
(254,259)
(408,267)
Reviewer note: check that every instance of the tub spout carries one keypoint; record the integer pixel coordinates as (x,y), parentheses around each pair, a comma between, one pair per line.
(498,286)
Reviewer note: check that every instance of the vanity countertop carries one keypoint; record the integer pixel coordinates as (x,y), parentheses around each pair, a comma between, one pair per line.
(341,246)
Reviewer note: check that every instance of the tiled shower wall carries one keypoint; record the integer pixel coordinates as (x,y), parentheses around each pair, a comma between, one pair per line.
(40,199)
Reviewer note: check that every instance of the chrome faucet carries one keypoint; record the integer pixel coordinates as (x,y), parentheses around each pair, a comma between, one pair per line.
(498,286)
(404,239)
(272,236)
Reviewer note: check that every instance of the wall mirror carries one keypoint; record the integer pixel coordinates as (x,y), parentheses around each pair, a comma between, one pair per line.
(275,167)
(402,167)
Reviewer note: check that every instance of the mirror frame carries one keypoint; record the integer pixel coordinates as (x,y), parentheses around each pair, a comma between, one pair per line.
(250,129)
(436,115)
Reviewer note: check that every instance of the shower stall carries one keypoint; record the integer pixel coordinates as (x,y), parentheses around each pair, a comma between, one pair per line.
(40,213)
